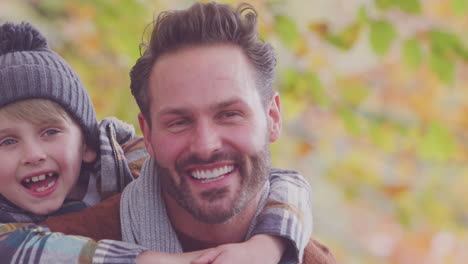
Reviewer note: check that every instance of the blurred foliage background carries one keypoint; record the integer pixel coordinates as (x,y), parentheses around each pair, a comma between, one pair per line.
(374,100)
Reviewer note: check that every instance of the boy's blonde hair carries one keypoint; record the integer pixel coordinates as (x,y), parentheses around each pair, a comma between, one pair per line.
(36,111)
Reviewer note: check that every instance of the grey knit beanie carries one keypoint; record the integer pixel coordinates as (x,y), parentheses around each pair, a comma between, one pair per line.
(29,69)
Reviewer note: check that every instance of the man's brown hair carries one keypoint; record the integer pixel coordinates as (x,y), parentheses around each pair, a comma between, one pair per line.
(204,24)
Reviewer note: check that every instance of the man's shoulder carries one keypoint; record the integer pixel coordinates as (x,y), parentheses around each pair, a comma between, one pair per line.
(292,176)
(283,171)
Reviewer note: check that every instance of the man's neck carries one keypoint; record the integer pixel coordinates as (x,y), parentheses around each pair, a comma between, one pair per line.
(192,229)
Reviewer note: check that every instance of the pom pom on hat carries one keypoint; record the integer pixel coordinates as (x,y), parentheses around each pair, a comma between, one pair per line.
(21,37)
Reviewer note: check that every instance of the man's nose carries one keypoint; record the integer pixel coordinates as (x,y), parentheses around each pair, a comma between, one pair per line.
(33,153)
(206,140)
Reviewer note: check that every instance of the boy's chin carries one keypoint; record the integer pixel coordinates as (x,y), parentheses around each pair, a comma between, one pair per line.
(46,209)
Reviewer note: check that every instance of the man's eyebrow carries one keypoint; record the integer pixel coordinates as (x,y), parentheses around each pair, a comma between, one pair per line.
(5,132)
(226,104)
(174,111)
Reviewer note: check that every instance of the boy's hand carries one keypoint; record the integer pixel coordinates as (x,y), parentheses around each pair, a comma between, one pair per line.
(261,249)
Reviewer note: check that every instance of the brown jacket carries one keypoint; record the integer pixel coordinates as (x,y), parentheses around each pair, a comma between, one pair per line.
(103,222)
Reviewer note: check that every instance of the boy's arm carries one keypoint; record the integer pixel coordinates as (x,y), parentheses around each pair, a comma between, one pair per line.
(29,243)
(259,249)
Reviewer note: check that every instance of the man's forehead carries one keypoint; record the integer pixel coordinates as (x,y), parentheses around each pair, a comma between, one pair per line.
(180,78)
(182,109)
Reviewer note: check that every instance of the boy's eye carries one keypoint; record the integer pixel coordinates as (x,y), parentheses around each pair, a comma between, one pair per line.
(7,142)
(50,132)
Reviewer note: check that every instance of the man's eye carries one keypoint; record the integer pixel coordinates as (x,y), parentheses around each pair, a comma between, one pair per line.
(230,114)
(178,125)
(50,132)
(7,142)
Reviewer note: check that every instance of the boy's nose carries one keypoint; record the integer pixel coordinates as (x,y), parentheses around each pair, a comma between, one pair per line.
(33,155)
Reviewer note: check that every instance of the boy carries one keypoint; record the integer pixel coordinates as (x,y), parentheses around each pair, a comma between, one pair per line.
(53,154)
(48,130)
(41,149)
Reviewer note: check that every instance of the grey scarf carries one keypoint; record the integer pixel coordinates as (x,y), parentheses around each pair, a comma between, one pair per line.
(143,215)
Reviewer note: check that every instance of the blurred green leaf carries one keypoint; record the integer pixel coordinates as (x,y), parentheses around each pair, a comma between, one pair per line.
(412,53)
(363,18)
(437,144)
(354,93)
(346,38)
(383,136)
(460,7)
(384,4)
(405,209)
(381,36)
(447,45)
(304,85)
(292,106)
(52,8)
(290,76)
(350,120)
(443,67)
(444,43)
(409,6)
(286,29)
(316,90)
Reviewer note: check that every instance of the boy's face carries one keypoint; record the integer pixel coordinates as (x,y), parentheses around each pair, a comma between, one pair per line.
(40,163)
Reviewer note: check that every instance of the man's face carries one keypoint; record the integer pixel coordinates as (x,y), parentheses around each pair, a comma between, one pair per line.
(209,131)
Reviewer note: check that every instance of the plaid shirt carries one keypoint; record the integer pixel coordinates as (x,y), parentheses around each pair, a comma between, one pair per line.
(287,215)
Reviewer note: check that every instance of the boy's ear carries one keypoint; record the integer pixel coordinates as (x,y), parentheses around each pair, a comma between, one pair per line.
(146,130)
(89,154)
(274,118)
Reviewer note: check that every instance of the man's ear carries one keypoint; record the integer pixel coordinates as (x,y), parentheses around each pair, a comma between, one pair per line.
(146,130)
(274,118)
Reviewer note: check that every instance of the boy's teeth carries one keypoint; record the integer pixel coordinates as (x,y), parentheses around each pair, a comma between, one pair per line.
(209,174)
(38,178)
(41,189)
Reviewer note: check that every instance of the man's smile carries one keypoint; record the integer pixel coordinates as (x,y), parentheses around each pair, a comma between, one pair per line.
(210,175)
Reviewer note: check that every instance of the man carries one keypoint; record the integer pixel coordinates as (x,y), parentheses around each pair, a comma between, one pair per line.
(209,111)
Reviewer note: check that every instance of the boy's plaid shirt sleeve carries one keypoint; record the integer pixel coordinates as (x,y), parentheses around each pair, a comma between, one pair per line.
(29,243)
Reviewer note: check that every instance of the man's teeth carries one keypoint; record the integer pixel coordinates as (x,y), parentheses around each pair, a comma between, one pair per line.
(209,174)
(38,177)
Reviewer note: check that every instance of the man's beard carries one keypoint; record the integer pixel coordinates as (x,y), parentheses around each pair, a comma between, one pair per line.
(253,171)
